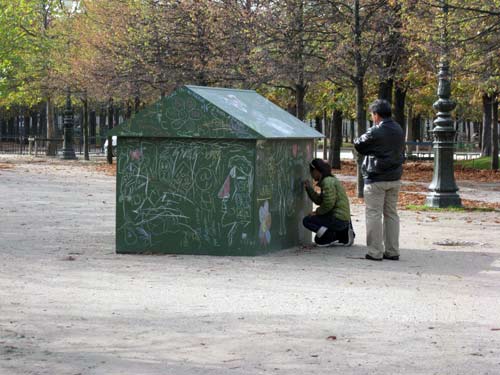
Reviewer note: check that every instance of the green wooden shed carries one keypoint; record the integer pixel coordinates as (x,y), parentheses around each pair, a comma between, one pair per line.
(212,171)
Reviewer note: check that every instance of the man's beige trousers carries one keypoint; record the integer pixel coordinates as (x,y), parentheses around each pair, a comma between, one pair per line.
(381,200)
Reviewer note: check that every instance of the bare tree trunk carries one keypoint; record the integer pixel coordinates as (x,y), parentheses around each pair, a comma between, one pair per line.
(28,123)
(42,120)
(92,124)
(117,115)
(395,52)
(345,132)
(34,122)
(137,104)
(399,107)
(336,139)
(360,92)
(480,134)
(385,89)
(111,114)
(327,133)
(51,130)
(317,125)
(12,126)
(494,134)
(361,119)
(352,131)
(487,115)
(300,94)
(409,129)
(128,110)
(416,131)
(85,128)
(16,126)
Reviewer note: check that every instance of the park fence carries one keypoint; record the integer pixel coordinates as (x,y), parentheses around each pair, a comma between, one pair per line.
(23,145)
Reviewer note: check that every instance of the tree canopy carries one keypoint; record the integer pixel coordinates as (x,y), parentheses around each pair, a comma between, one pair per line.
(307,55)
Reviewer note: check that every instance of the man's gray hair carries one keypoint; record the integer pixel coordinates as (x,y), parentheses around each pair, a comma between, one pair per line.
(382,107)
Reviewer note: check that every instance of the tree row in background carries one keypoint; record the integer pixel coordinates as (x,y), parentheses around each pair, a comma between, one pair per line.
(320,59)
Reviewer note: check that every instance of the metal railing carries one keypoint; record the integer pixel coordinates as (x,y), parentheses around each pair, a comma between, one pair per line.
(24,145)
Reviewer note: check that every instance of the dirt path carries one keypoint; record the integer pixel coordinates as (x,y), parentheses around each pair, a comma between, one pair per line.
(69,305)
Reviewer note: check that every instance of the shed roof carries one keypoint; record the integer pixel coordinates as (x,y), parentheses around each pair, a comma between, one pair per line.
(205,112)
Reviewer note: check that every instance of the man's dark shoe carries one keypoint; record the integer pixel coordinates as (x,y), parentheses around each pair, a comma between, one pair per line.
(369,257)
(391,257)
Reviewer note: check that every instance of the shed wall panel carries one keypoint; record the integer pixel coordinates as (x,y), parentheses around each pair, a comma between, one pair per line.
(186,196)
(282,167)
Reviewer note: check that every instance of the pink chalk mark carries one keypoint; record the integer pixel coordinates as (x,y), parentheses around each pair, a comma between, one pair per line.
(136,154)
(225,190)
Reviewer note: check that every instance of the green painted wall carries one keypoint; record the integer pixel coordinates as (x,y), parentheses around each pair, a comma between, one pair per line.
(231,197)
(185,196)
(281,203)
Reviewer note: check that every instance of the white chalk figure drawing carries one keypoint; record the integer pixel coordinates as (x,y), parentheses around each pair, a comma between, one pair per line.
(178,194)
(265,221)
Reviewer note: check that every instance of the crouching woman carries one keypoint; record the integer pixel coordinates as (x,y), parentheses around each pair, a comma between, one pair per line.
(331,221)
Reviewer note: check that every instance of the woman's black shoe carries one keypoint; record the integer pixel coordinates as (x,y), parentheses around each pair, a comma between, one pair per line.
(327,239)
(369,257)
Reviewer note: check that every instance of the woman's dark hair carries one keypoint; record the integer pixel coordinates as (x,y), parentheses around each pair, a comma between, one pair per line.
(382,107)
(321,166)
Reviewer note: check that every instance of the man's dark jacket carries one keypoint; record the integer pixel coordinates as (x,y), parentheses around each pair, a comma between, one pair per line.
(383,147)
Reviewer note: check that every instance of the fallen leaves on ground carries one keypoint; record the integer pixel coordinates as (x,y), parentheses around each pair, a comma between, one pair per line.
(6,166)
(415,195)
(470,204)
(108,169)
(423,170)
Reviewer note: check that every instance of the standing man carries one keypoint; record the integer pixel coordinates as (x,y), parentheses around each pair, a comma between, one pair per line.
(382,168)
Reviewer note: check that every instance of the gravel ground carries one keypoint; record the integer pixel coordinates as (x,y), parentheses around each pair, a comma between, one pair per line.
(69,305)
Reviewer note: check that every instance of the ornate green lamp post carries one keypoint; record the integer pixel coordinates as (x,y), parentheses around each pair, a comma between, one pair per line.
(68,152)
(443,187)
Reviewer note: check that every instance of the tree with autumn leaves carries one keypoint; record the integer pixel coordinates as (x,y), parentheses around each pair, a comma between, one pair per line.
(323,58)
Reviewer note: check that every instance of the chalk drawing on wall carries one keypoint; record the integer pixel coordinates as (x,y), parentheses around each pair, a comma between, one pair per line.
(205,179)
(136,154)
(182,193)
(265,220)
(225,190)
(281,168)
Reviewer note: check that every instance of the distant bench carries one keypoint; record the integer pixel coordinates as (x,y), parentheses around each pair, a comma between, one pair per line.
(466,150)
(419,150)
(423,150)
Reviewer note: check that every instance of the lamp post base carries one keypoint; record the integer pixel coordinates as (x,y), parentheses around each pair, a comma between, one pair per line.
(442,200)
